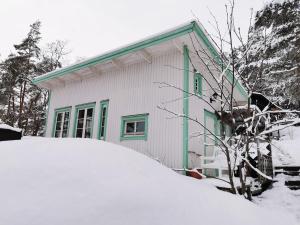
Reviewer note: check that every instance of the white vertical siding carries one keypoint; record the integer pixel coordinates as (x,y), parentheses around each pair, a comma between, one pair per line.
(131,90)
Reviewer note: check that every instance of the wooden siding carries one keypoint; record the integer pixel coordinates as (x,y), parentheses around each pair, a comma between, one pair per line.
(131,90)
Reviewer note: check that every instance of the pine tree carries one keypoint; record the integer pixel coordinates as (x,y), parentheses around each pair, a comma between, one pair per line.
(22,103)
(272,64)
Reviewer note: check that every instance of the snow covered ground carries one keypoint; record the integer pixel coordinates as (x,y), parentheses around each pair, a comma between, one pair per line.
(88,182)
(281,199)
(286,152)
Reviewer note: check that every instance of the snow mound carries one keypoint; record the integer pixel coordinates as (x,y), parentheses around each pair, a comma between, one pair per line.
(88,182)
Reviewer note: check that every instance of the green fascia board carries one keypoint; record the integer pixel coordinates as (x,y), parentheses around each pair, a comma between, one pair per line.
(59,110)
(120,52)
(103,104)
(185,29)
(134,118)
(83,106)
(215,54)
(185,135)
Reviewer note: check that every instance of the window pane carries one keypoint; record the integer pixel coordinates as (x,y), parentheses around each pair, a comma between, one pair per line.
(140,127)
(88,132)
(81,114)
(56,134)
(130,127)
(80,124)
(89,112)
(65,133)
(58,125)
(79,133)
(59,117)
(88,122)
(67,114)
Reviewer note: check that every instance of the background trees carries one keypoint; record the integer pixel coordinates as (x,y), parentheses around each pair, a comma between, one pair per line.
(23,104)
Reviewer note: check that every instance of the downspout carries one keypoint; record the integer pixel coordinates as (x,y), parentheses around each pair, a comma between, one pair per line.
(185,139)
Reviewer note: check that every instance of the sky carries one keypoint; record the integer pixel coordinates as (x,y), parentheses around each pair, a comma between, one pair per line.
(94,26)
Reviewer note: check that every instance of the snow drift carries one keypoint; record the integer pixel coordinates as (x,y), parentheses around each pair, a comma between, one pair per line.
(89,182)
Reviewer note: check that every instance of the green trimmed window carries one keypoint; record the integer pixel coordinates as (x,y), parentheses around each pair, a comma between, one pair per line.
(134,127)
(84,120)
(197,83)
(103,120)
(61,122)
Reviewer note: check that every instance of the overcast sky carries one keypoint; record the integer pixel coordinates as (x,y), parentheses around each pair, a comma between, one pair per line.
(94,26)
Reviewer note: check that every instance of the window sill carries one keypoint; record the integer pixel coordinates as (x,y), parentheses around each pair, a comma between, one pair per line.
(140,137)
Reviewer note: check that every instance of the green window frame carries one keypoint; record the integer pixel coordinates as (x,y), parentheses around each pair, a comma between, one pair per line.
(134,127)
(86,119)
(198,83)
(64,116)
(103,114)
(216,131)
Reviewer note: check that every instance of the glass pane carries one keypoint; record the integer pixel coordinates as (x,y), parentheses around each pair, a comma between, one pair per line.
(129,127)
(102,132)
(80,124)
(103,111)
(89,112)
(65,133)
(67,114)
(88,132)
(88,123)
(58,125)
(59,117)
(140,127)
(56,134)
(81,114)
(79,133)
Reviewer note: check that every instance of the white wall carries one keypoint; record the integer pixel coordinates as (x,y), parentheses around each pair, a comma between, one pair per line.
(131,90)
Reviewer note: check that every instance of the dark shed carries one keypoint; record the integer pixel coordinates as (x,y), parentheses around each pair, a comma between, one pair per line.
(8,133)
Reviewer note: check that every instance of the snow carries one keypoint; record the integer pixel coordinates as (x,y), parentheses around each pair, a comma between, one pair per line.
(281,199)
(80,181)
(286,151)
(7,127)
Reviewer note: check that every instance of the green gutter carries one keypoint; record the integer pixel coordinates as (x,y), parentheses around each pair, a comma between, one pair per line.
(185,136)
(123,51)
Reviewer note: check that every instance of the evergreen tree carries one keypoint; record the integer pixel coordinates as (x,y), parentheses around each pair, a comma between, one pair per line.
(272,64)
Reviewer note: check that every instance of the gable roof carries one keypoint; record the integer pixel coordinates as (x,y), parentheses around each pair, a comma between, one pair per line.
(170,34)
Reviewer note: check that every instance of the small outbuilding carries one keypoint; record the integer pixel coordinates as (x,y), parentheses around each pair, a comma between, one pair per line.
(8,133)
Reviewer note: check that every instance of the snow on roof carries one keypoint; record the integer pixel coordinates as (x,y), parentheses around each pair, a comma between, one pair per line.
(83,181)
(7,127)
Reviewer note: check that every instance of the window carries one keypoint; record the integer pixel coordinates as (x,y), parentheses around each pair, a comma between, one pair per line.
(134,127)
(62,122)
(103,119)
(197,83)
(84,121)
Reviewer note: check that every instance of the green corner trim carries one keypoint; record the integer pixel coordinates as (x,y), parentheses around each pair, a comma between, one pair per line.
(83,106)
(103,104)
(129,118)
(47,113)
(185,131)
(59,110)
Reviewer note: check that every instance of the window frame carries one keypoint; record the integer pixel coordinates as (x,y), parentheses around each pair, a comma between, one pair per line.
(103,104)
(84,106)
(134,118)
(56,112)
(198,81)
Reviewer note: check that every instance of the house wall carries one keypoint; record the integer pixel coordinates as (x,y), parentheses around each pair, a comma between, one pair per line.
(131,90)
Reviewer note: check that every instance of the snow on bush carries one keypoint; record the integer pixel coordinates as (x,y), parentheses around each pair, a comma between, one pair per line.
(89,182)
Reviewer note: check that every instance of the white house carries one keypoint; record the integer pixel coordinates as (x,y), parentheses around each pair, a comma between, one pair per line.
(114,96)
